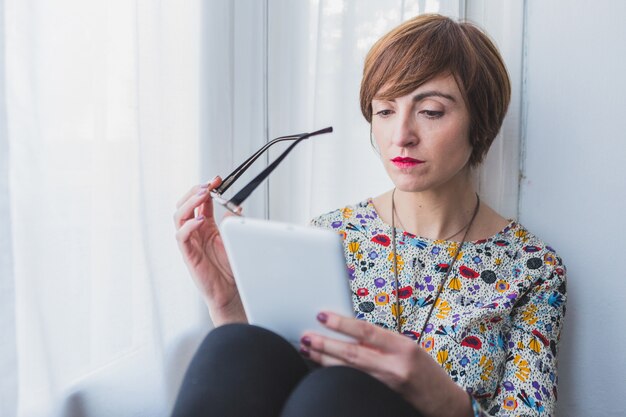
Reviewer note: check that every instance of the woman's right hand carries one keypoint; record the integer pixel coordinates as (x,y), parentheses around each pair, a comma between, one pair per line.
(203,251)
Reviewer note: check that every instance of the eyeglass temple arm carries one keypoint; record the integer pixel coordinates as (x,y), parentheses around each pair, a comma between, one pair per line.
(241,196)
(237,172)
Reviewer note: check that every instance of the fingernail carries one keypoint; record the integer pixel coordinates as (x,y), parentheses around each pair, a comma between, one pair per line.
(306,341)
(202,191)
(322,317)
(305,352)
(200,218)
(205,185)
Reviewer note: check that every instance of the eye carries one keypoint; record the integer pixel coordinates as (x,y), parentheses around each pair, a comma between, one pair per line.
(432,114)
(384,113)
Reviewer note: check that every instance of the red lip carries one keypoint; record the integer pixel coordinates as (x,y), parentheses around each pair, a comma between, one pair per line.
(406,160)
(405,163)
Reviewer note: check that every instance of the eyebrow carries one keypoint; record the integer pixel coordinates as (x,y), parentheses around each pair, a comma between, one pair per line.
(421,96)
(426,94)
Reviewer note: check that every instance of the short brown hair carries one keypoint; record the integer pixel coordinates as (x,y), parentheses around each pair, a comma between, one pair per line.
(430,45)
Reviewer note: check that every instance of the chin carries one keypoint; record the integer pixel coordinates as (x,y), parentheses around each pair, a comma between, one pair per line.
(415,180)
(423,182)
(412,186)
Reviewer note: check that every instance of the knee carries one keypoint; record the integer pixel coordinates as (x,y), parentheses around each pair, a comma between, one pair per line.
(235,332)
(240,340)
(240,333)
(334,379)
(337,391)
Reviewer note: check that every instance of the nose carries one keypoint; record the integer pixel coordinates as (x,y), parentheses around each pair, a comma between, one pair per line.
(405,131)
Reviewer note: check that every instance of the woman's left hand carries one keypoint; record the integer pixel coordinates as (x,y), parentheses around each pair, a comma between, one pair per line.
(393,359)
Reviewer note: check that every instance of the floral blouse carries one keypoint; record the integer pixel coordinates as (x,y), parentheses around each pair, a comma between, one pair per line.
(496,325)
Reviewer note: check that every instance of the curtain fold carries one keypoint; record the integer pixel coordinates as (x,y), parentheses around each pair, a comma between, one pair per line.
(103,127)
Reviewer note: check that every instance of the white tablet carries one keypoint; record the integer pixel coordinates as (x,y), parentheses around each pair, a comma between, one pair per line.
(287,274)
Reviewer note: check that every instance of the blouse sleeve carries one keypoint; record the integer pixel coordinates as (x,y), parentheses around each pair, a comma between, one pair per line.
(324,220)
(529,380)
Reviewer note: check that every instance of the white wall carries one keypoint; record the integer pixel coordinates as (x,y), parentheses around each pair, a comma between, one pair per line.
(573,189)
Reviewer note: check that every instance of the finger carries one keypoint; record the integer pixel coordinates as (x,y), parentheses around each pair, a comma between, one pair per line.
(188,211)
(322,359)
(365,332)
(379,367)
(210,185)
(329,350)
(185,231)
(206,208)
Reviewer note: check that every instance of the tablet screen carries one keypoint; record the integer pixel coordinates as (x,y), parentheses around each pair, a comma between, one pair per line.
(286,274)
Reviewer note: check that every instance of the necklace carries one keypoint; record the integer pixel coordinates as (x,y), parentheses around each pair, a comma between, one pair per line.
(443,281)
(395,213)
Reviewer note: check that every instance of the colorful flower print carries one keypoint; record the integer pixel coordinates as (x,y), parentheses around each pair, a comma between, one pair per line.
(381,298)
(362,292)
(405,292)
(353,246)
(468,272)
(382,240)
(496,323)
(472,342)
(429,344)
(509,403)
(455,284)
(502,286)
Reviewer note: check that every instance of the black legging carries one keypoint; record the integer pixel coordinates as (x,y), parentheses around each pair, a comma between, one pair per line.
(244,370)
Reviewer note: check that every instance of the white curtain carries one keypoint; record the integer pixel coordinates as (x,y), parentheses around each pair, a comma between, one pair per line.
(103,137)
(110,111)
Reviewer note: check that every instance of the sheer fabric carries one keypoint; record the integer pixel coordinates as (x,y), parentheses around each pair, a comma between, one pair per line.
(103,135)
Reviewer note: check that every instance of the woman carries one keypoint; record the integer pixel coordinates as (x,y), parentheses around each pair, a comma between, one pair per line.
(471,303)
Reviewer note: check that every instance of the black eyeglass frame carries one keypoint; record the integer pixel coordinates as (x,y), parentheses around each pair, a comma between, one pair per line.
(234,204)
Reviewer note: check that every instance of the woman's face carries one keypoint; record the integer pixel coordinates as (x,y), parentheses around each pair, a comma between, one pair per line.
(423,137)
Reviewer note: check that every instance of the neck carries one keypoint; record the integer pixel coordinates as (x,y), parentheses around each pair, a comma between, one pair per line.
(440,213)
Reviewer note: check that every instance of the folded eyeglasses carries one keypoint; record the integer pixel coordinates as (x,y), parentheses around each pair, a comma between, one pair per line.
(234,204)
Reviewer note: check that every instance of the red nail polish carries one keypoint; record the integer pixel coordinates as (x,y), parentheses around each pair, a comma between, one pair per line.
(322,317)
(305,352)
(306,341)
